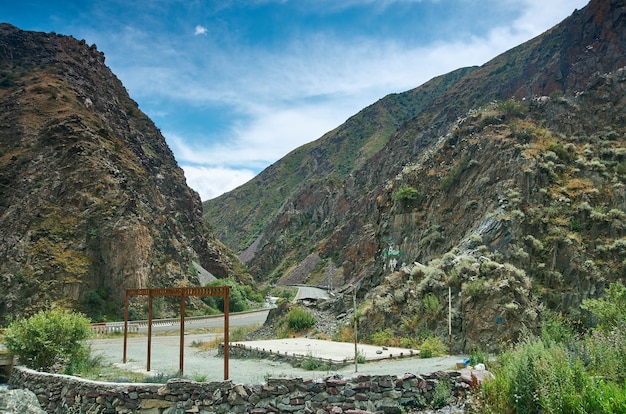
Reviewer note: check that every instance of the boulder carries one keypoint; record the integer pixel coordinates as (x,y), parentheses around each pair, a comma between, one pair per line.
(19,402)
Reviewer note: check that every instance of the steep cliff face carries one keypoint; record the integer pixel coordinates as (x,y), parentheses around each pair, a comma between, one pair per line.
(304,202)
(91,197)
(507,186)
(519,202)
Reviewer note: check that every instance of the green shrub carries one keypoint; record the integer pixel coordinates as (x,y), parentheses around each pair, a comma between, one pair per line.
(478,356)
(431,304)
(299,319)
(604,397)
(442,395)
(475,288)
(406,193)
(49,338)
(610,312)
(311,363)
(384,337)
(606,354)
(239,297)
(432,347)
(512,108)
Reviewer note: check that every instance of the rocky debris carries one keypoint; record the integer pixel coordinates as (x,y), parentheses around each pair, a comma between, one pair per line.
(19,402)
(326,326)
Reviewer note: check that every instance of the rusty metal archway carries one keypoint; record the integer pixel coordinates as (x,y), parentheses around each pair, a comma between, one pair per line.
(183,293)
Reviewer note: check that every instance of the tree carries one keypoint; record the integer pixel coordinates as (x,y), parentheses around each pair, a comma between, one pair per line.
(49,338)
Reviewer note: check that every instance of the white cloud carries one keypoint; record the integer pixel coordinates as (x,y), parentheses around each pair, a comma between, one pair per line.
(211,182)
(290,96)
(200,30)
(269,136)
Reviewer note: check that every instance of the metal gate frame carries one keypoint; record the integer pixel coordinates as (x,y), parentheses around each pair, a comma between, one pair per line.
(183,293)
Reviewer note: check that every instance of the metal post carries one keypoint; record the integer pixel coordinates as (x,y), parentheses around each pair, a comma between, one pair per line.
(226,330)
(356,364)
(450,316)
(149,328)
(182,334)
(125,325)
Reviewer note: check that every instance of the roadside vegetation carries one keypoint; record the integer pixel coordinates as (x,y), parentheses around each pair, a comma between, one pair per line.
(53,340)
(560,371)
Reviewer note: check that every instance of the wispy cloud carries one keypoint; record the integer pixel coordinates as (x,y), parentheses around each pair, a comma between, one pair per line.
(200,30)
(294,91)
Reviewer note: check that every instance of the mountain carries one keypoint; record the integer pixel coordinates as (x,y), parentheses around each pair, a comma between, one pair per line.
(503,182)
(92,200)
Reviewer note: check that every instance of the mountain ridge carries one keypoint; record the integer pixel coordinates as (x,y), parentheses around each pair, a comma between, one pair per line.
(92,199)
(507,187)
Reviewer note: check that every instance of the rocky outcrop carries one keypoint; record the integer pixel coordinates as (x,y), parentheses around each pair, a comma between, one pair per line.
(92,200)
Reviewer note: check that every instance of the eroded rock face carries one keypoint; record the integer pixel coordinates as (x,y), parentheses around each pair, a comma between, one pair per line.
(91,197)
(518,162)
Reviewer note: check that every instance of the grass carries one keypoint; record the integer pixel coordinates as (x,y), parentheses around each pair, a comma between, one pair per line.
(569,375)
(236,335)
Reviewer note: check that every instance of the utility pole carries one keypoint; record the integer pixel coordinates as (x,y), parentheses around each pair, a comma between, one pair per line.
(450,315)
(356,354)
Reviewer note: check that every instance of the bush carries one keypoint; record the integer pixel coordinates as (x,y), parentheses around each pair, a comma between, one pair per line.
(442,395)
(239,298)
(311,363)
(384,337)
(610,312)
(541,376)
(299,319)
(478,356)
(406,193)
(432,347)
(49,338)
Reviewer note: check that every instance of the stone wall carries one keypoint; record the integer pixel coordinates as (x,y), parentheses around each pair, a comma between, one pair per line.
(296,360)
(361,394)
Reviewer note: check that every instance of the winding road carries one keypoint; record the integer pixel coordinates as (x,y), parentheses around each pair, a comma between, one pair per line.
(310,293)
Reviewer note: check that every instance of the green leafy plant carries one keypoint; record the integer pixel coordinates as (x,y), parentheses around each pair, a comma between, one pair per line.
(239,299)
(298,319)
(311,363)
(442,395)
(406,193)
(383,337)
(611,311)
(478,356)
(431,304)
(432,347)
(49,338)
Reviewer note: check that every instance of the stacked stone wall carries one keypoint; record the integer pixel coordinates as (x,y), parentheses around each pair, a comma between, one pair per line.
(361,394)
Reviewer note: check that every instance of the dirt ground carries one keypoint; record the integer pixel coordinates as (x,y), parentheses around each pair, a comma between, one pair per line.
(165,359)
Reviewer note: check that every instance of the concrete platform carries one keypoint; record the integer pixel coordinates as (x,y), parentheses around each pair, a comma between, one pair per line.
(337,352)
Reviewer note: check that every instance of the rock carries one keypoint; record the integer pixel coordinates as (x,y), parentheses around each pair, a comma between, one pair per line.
(19,402)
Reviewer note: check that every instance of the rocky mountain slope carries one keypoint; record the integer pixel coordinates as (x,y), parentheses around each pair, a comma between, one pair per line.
(504,183)
(92,200)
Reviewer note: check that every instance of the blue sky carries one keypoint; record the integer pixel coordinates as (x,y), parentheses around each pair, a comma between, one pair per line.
(235,85)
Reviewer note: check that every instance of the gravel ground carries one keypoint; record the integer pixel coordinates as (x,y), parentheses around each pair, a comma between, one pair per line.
(165,359)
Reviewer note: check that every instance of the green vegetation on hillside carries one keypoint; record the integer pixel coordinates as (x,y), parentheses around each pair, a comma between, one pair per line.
(241,298)
(562,372)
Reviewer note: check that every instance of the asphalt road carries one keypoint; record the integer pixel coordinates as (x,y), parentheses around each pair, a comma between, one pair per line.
(309,292)
(254,318)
